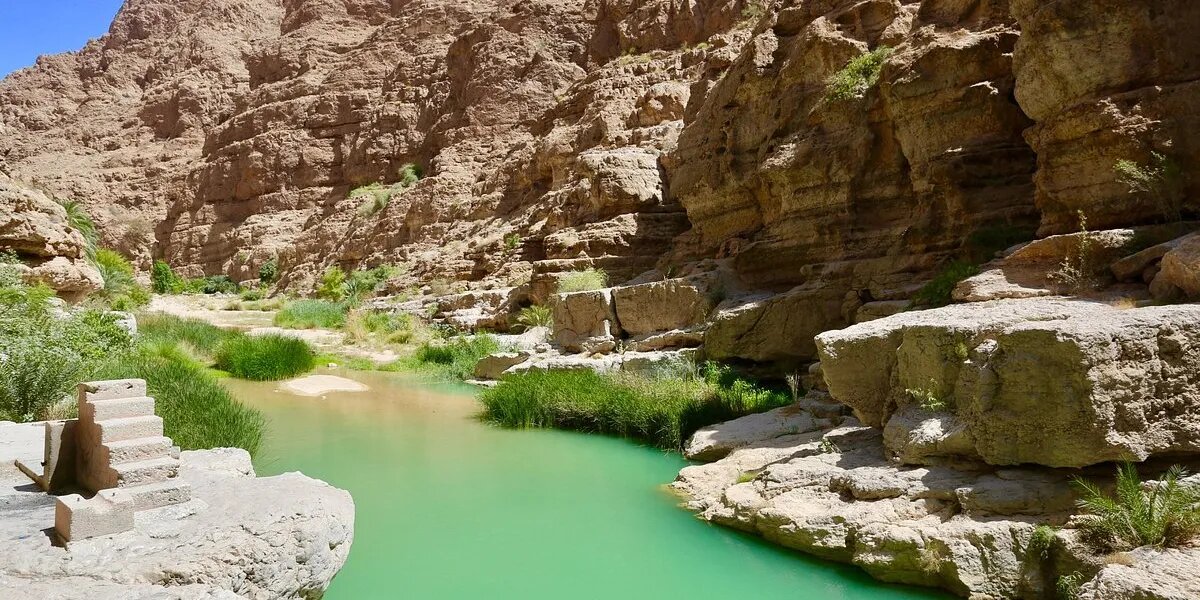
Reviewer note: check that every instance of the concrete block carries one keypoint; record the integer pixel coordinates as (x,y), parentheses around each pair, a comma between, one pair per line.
(119,408)
(155,495)
(137,450)
(119,430)
(111,390)
(108,512)
(144,472)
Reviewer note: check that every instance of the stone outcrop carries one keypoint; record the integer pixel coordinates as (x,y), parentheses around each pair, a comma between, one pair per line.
(240,536)
(823,484)
(1052,382)
(35,227)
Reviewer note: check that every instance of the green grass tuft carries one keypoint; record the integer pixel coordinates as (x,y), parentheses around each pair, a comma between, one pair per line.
(535,316)
(662,410)
(265,358)
(455,358)
(582,281)
(310,314)
(858,76)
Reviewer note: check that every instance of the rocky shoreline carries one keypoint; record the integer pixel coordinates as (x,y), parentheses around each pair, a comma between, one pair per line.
(240,536)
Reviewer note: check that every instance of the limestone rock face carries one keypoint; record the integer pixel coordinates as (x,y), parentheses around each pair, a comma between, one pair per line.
(35,227)
(1093,108)
(1038,381)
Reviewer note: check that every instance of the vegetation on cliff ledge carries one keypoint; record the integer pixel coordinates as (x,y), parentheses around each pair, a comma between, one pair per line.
(1165,513)
(662,408)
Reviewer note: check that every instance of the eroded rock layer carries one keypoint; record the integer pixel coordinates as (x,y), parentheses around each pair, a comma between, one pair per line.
(625,135)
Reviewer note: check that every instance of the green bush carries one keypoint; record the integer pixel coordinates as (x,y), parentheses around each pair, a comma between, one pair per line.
(163,280)
(858,76)
(333,285)
(220,284)
(265,358)
(1160,182)
(535,316)
(582,281)
(268,273)
(198,413)
(662,410)
(200,337)
(310,314)
(251,294)
(396,328)
(456,358)
(1164,514)
(44,355)
(939,290)
(377,195)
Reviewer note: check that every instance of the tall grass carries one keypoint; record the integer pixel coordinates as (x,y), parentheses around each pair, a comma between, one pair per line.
(662,409)
(392,328)
(265,358)
(455,358)
(1165,513)
(582,281)
(197,412)
(199,336)
(310,314)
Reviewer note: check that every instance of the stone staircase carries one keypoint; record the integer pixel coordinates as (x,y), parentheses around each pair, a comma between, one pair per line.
(121,445)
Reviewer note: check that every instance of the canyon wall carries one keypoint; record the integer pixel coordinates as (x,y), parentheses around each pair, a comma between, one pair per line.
(631,135)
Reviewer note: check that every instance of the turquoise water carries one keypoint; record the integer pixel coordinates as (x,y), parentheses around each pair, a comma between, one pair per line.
(448,507)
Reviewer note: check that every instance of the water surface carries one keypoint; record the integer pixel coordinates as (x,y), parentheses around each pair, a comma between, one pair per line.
(448,507)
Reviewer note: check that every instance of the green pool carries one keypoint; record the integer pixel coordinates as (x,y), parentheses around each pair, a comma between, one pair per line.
(448,507)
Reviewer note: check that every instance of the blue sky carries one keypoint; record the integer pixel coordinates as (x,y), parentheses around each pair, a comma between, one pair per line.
(29,28)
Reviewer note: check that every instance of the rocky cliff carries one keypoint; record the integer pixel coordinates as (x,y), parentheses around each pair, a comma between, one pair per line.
(624,134)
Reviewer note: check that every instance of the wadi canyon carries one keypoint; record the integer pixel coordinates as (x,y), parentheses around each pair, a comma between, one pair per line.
(918,207)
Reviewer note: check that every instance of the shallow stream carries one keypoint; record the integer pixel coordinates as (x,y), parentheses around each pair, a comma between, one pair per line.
(448,507)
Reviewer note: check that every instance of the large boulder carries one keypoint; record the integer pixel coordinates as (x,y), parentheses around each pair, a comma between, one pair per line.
(36,228)
(1179,272)
(661,306)
(833,494)
(775,328)
(1037,381)
(585,321)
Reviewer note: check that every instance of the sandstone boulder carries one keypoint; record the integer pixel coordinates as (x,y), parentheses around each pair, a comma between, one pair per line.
(35,227)
(661,306)
(493,366)
(1179,275)
(1037,381)
(585,321)
(773,328)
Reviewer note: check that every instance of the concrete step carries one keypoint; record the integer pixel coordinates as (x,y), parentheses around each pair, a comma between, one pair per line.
(155,495)
(142,472)
(121,408)
(138,449)
(130,428)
